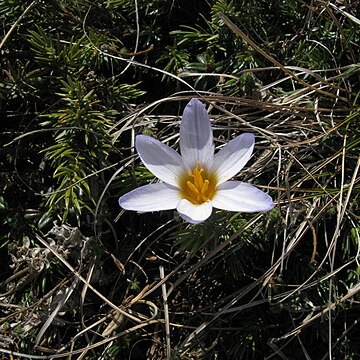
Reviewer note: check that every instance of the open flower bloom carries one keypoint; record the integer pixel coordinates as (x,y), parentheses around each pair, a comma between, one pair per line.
(196,181)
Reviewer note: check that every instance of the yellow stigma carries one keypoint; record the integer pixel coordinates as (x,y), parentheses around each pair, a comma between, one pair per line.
(198,186)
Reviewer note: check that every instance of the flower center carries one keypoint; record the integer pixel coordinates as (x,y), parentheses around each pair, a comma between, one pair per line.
(198,186)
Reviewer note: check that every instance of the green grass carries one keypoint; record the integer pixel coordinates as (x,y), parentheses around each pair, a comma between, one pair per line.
(82,278)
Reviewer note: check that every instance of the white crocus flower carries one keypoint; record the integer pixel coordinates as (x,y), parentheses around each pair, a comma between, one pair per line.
(196,181)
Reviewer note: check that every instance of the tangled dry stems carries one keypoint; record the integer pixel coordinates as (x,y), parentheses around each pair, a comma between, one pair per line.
(290,132)
(304,157)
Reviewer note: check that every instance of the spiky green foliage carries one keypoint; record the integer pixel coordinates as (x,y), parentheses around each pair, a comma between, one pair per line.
(79,80)
(81,147)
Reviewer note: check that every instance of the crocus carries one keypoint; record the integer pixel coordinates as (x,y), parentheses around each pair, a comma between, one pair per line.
(196,181)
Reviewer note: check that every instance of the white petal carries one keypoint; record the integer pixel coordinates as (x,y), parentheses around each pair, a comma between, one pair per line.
(196,138)
(153,197)
(194,214)
(241,197)
(233,156)
(163,161)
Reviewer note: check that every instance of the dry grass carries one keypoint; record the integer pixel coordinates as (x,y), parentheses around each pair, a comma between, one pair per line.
(150,283)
